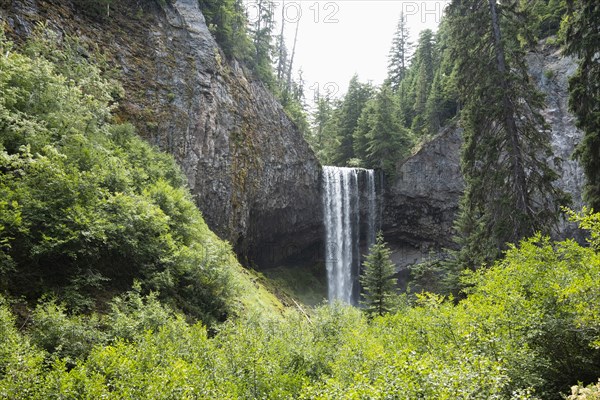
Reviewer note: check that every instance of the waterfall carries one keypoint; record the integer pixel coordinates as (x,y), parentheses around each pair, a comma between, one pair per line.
(342,189)
(372,207)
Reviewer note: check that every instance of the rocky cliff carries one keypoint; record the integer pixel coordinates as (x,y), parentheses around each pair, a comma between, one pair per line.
(252,174)
(421,204)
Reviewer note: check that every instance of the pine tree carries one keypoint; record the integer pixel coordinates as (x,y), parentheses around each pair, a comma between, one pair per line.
(320,118)
(389,141)
(583,40)
(261,33)
(405,98)
(281,60)
(425,63)
(433,106)
(361,133)
(377,279)
(351,108)
(547,16)
(400,53)
(509,193)
(227,21)
(442,102)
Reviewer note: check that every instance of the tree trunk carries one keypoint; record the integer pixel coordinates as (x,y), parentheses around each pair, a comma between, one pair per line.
(512,131)
(289,74)
(282,55)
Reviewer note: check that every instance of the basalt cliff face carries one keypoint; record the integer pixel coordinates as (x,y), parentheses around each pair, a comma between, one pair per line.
(422,202)
(252,174)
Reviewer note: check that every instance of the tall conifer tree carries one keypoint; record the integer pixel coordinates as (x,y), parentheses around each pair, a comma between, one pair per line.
(351,108)
(425,63)
(400,53)
(509,192)
(389,141)
(261,32)
(583,40)
(379,284)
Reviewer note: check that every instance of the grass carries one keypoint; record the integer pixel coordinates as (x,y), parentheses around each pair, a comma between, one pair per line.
(298,286)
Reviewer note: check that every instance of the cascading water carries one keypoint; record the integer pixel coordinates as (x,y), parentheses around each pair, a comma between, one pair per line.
(372,207)
(342,210)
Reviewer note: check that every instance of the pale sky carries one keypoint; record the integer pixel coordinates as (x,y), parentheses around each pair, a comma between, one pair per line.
(339,38)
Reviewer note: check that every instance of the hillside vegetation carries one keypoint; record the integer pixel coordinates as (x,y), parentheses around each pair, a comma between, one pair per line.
(112,286)
(87,208)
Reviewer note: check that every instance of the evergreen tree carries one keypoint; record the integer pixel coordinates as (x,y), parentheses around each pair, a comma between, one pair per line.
(405,98)
(227,22)
(400,53)
(425,60)
(281,51)
(547,16)
(435,99)
(320,118)
(389,141)
(324,129)
(583,40)
(377,279)
(507,142)
(261,33)
(361,133)
(351,108)
(442,102)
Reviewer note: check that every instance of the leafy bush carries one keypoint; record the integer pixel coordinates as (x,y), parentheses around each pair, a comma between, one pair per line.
(20,363)
(591,392)
(87,207)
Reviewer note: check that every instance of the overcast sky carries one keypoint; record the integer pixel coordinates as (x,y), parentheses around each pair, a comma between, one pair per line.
(337,39)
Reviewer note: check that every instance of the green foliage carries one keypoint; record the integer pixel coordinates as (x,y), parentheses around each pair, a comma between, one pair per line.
(547,16)
(227,22)
(424,63)
(20,363)
(67,337)
(388,140)
(71,337)
(334,136)
(318,137)
(591,392)
(377,127)
(582,40)
(529,329)
(377,279)
(431,275)
(400,53)
(261,33)
(509,186)
(87,206)
(350,111)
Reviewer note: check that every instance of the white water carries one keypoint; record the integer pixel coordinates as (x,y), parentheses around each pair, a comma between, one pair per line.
(341,204)
(372,207)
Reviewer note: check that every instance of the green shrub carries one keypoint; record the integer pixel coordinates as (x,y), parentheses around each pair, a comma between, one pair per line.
(20,363)
(66,337)
(591,392)
(88,207)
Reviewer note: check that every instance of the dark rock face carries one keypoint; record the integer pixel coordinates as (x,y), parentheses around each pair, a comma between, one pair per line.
(253,176)
(551,71)
(422,203)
